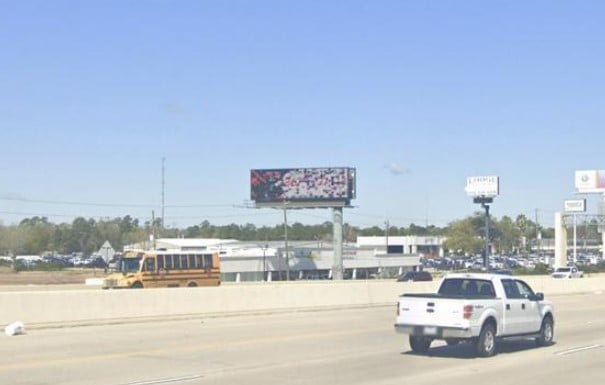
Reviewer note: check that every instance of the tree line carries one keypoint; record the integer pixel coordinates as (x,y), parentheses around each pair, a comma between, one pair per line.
(37,236)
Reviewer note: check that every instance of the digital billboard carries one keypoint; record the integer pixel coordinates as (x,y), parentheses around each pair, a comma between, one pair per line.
(313,186)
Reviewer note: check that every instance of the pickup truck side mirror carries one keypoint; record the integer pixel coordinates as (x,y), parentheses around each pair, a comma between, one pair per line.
(537,297)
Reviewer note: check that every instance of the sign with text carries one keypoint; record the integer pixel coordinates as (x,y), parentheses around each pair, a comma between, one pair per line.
(482,186)
(575,205)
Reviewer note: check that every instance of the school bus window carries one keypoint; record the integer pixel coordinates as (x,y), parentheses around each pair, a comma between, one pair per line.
(149,264)
(168,262)
(207,260)
(192,261)
(184,262)
(160,259)
(198,262)
(176,262)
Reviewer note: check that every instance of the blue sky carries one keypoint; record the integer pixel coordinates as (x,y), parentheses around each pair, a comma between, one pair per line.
(416,95)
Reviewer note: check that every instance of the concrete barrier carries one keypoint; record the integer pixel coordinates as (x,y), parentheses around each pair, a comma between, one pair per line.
(79,307)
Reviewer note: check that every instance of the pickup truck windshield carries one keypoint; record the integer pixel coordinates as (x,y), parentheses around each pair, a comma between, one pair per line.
(467,287)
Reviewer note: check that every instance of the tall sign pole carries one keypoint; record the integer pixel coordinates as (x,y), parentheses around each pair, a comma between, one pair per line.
(337,269)
(593,182)
(483,189)
(602,225)
(573,207)
(286,241)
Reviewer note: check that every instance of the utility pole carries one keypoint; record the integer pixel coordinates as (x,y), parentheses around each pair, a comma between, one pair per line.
(163,192)
(386,235)
(538,236)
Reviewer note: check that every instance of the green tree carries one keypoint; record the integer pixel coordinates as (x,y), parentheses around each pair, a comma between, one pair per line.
(463,237)
(509,235)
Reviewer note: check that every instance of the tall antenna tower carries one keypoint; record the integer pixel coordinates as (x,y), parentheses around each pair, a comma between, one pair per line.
(163,191)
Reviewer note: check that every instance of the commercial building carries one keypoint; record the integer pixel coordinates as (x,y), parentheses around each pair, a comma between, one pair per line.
(369,257)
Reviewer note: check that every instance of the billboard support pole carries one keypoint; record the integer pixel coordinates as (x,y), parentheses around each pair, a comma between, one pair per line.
(575,238)
(286,242)
(337,268)
(560,241)
(603,228)
(486,256)
(483,189)
(485,201)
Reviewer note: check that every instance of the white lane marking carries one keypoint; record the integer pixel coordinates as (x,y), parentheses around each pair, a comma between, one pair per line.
(576,350)
(166,380)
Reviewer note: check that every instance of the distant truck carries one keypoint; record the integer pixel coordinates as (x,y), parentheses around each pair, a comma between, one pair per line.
(478,308)
(567,272)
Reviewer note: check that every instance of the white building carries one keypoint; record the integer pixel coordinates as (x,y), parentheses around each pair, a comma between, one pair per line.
(255,261)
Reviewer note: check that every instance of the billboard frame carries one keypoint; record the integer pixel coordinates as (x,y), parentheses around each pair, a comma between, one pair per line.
(589,181)
(487,186)
(257,184)
(574,205)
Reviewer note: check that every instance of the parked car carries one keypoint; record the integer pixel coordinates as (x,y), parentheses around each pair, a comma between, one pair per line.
(567,272)
(415,276)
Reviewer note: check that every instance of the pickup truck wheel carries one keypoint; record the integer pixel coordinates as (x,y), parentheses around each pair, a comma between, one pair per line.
(420,344)
(546,332)
(486,343)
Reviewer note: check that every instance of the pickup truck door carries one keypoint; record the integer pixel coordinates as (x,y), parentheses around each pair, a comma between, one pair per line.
(521,315)
(512,308)
(532,318)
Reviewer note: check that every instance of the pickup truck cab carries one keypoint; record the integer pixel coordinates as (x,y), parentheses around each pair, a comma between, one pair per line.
(478,308)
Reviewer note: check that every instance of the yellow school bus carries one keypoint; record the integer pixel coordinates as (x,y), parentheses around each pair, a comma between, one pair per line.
(145,269)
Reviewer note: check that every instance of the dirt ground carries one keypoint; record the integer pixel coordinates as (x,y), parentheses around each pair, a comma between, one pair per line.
(67,276)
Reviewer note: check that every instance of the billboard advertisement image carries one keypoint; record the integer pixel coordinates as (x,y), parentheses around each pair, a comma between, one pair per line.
(590,181)
(310,185)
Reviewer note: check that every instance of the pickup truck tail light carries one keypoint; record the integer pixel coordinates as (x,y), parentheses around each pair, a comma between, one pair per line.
(467,311)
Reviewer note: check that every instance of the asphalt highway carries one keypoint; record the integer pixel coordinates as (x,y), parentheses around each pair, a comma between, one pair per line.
(350,346)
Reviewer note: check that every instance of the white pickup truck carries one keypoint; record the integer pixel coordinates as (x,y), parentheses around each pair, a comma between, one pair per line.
(478,308)
(567,272)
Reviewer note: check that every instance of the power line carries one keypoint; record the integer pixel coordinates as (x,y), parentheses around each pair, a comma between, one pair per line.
(74,203)
(98,204)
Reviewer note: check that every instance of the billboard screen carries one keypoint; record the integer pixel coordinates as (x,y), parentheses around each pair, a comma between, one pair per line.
(590,181)
(482,186)
(302,185)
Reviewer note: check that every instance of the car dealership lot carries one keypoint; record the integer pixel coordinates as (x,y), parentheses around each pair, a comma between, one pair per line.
(347,346)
